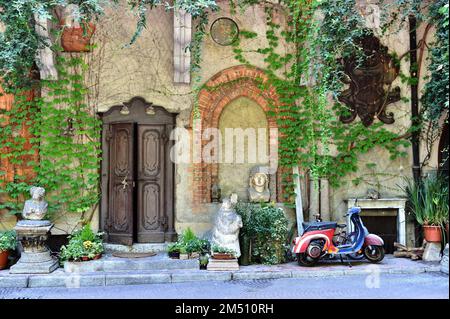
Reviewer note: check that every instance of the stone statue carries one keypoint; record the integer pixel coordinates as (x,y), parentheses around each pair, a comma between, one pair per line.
(226,228)
(33,232)
(258,190)
(36,207)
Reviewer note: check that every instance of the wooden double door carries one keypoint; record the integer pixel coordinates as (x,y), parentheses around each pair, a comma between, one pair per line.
(137,176)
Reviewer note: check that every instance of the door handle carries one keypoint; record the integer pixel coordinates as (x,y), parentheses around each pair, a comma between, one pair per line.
(124,182)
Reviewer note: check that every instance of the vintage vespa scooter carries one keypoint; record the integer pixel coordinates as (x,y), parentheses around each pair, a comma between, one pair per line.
(318,240)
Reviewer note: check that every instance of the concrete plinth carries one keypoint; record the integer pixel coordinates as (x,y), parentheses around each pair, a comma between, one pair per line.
(432,252)
(444,261)
(35,263)
(223,264)
(35,259)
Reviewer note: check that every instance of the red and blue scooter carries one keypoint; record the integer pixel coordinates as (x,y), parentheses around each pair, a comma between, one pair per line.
(318,241)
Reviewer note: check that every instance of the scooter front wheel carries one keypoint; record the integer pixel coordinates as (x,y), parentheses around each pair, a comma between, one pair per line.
(374,254)
(305,260)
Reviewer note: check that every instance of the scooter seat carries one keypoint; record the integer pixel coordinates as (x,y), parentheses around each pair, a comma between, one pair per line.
(318,226)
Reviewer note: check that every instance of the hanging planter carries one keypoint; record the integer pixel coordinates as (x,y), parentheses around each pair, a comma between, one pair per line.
(76,36)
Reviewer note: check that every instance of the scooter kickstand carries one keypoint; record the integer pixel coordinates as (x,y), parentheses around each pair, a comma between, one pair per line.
(348,263)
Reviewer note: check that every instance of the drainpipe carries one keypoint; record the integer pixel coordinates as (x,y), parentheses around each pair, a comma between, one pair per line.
(414,96)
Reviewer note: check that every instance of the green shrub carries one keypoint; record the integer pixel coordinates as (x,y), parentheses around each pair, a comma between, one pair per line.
(8,240)
(269,228)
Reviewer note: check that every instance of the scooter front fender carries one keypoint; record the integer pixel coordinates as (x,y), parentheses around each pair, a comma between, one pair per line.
(373,240)
(301,243)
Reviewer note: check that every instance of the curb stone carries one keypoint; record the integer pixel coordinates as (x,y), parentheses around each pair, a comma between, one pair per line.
(261,275)
(137,279)
(310,274)
(204,276)
(75,280)
(14,282)
(69,281)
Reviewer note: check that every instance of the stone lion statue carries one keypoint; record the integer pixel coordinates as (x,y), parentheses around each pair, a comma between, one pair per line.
(226,227)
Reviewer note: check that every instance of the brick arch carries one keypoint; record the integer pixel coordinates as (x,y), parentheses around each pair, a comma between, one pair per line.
(219,91)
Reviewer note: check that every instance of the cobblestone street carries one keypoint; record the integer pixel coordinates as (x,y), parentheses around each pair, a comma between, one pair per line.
(384,286)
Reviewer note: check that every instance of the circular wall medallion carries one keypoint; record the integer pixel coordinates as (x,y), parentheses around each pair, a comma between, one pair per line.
(224,31)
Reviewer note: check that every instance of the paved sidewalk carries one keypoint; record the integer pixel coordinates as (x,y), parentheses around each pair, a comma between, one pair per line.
(428,285)
(60,278)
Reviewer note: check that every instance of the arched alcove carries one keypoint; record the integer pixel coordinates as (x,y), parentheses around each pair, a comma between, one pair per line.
(246,115)
(218,92)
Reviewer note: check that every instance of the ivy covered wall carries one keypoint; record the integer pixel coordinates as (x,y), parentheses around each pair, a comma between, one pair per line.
(117,72)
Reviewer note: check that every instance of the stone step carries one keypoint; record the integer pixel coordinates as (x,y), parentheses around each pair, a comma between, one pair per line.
(135,248)
(109,263)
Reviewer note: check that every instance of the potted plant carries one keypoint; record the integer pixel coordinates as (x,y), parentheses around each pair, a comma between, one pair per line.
(183,253)
(76,35)
(219,252)
(7,242)
(203,261)
(428,202)
(83,245)
(174,250)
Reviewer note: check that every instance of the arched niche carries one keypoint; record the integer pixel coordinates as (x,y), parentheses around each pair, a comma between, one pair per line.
(247,116)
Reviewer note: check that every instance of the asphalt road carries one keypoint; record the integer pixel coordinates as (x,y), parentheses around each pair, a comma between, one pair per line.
(384,286)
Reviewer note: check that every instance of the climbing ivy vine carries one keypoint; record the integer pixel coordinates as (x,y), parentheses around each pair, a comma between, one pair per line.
(66,135)
(319,34)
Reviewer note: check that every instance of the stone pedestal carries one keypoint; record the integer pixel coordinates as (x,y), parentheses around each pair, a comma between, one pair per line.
(223,264)
(432,252)
(35,258)
(444,261)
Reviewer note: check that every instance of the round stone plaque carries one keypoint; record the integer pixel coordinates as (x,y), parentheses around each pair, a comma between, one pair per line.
(224,31)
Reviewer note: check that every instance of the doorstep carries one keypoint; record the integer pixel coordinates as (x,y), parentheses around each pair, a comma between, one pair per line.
(60,278)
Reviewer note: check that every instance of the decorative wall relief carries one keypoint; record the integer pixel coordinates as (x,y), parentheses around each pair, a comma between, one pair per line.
(370,83)
(224,31)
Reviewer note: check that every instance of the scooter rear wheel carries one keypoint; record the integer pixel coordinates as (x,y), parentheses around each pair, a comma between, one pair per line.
(305,260)
(374,254)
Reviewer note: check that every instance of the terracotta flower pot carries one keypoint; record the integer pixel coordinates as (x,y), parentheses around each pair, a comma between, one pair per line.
(432,234)
(174,254)
(74,39)
(85,258)
(4,259)
(222,256)
(97,256)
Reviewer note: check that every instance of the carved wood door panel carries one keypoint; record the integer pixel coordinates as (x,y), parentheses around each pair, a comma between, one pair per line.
(137,183)
(120,219)
(151,177)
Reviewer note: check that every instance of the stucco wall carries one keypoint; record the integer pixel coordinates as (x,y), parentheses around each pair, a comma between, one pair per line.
(119,72)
